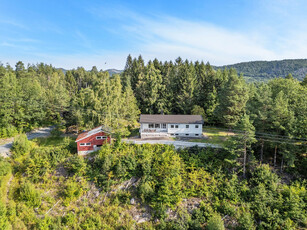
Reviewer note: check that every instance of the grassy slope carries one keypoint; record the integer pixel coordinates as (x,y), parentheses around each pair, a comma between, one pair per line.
(213,136)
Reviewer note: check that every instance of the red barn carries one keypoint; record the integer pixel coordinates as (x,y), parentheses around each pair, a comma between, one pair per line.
(92,140)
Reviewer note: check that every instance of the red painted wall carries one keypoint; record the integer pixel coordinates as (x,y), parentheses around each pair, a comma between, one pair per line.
(93,141)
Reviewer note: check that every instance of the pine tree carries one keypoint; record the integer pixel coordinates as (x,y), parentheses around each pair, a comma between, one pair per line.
(186,85)
(245,137)
(232,100)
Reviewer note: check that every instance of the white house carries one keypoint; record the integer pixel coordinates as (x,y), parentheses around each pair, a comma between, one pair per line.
(160,125)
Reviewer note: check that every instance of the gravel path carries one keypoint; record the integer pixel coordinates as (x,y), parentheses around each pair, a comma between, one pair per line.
(177,144)
(42,132)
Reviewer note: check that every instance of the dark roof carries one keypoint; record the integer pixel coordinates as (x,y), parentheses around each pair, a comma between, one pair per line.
(170,119)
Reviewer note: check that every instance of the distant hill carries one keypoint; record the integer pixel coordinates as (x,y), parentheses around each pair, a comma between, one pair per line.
(265,70)
(110,71)
(114,71)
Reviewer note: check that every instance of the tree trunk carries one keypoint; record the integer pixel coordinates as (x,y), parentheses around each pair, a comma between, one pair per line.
(275,155)
(282,164)
(244,160)
(261,151)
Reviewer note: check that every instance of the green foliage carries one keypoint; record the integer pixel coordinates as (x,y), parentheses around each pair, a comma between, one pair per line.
(29,194)
(215,222)
(5,167)
(76,165)
(21,146)
(232,100)
(4,222)
(72,190)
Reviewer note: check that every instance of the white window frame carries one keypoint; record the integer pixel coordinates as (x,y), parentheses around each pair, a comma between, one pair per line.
(82,144)
(187,126)
(101,137)
(172,126)
(157,126)
(196,126)
(151,124)
(88,144)
(176,126)
(163,126)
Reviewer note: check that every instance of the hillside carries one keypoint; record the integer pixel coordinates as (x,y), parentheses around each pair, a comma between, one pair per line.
(265,70)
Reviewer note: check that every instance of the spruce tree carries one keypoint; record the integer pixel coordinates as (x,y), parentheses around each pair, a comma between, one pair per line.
(232,100)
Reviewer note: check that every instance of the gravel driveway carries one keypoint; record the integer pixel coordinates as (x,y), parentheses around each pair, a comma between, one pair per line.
(177,144)
(42,132)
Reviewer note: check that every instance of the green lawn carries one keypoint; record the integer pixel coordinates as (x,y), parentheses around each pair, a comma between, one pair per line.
(52,141)
(213,136)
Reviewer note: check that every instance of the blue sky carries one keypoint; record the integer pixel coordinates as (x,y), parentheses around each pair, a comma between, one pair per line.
(76,33)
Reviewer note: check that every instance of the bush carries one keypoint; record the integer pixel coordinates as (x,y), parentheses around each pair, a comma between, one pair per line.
(9,131)
(4,223)
(72,190)
(5,167)
(29,194)
(76,165)
(215,222)
(21,146)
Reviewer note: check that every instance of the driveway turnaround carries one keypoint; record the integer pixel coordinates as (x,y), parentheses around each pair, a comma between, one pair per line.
(177,144)
(41,132)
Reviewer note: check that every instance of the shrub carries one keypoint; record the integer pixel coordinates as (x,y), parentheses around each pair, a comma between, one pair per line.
(4,223)
(5,167)
(29,194)
(9,131)
(76,165)
(21,145)
(72,190)
(215,222)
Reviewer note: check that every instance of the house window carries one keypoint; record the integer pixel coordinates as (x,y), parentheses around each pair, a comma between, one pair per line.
(157,126)
(87,144)
(151,126)
(172,126)
(187,134)
(196,126)
(176,126)
(163,126)
(176,134)
(196,134)
(187,126)
(101,137)
(82,144)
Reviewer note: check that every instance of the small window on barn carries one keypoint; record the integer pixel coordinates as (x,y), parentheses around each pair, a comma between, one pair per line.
(176,126)
(82,144)
(87,144)
(172,126)
(163,126)
(101,137)
(151,126)
(187,126)
(196,134)
(196,126)
(187,134)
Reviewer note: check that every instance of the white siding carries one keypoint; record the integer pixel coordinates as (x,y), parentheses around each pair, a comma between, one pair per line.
(182,129)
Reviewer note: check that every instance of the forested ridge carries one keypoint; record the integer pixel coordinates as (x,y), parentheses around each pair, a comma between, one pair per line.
(266,70)
(256,181)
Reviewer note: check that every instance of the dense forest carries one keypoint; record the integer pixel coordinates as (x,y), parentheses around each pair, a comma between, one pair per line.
(266,70)
(256,181)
